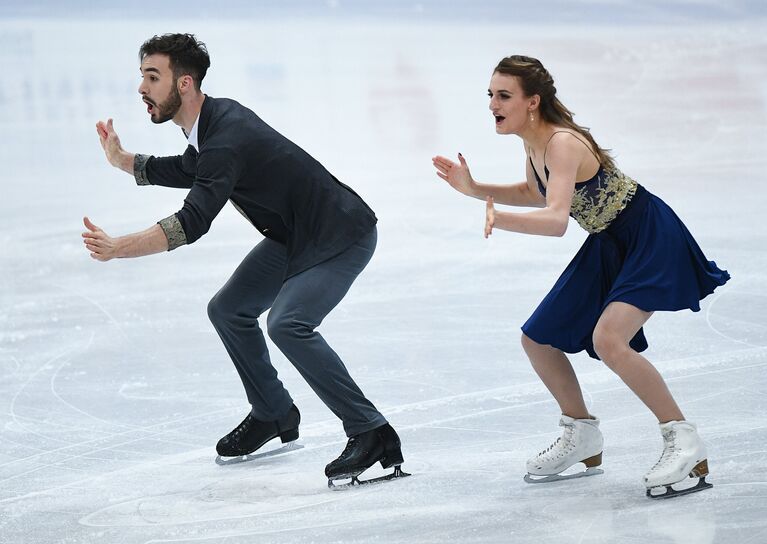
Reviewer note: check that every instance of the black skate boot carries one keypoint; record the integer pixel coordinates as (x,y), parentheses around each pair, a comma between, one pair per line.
(363,451)
(252,433)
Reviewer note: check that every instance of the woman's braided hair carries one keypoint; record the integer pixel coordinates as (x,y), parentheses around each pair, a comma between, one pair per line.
(535,79)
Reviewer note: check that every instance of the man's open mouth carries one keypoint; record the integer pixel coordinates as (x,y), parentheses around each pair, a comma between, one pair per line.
(499,118)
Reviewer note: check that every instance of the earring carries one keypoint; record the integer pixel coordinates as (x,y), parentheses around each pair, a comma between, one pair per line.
(532,118)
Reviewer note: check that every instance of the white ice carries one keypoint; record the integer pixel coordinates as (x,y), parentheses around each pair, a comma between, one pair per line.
(114,387)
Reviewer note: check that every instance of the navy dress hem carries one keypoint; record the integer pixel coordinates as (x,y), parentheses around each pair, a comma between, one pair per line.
(646,258)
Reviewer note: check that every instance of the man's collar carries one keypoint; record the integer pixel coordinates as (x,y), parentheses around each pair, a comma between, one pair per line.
(192,136)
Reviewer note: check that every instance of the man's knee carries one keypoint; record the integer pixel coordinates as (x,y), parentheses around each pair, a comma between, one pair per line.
(221,310)
(284,327)
(215,310)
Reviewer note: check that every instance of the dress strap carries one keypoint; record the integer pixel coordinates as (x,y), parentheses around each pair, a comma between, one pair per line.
(576,137)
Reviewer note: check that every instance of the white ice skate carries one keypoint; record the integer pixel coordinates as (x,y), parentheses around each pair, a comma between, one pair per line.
(684,455)
(581,442)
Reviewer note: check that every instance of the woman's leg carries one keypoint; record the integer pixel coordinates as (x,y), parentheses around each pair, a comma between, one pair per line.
(557,374)
(616,327)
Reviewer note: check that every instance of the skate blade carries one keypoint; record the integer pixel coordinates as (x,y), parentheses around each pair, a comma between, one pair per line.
(533,479)
(668,492)
(355,481)
(290,446)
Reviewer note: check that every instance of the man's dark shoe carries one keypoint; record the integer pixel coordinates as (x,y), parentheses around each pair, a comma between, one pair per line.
(363,451)
(252,433)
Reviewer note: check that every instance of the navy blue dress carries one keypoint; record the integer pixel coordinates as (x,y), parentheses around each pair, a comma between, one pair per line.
(643,256)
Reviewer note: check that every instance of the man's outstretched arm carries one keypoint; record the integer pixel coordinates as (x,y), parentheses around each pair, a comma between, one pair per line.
(103,247)
(114,152)
(176,171)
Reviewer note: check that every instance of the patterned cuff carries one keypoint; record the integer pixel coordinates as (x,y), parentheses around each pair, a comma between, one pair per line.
(174,232)
(139,168)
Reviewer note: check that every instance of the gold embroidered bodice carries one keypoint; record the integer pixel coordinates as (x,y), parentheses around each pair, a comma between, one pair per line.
(599,200)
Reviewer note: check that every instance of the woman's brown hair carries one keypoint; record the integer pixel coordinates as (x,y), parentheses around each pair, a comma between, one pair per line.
(535,79)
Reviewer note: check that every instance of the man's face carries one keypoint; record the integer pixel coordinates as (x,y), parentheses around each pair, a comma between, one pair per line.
(158,88)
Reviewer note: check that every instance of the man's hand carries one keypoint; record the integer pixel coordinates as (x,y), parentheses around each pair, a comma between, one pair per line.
(113,150)
(99,243)
(103,247)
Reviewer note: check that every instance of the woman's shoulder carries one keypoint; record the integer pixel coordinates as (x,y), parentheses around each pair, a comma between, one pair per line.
(565,136)
(564,141)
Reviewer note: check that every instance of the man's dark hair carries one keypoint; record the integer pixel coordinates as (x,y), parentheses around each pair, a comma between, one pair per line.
(187,54)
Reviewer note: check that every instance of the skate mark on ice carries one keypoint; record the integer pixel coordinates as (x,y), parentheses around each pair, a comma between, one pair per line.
(99,307)
(716,299)
(114,447)
(12,406)
(252,500)
(744,484)
(192,420)
(151,435)
(587,529)
(375,379)
(166,397)
(713,395)
(757,537)
(17,365)
(63,426)
(46,366)
(749,354)
(222,537)
(55,393)
(473,430)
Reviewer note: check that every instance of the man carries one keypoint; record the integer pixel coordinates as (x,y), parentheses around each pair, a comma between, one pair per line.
(319,235)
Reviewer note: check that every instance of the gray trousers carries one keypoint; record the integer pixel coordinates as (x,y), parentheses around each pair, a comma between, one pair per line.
(298,306)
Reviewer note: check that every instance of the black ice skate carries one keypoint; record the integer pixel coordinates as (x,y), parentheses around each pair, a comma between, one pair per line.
(363,451)
(252,433)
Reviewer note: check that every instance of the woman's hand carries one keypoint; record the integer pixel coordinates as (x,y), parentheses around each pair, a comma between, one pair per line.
(457,175)
(489,216)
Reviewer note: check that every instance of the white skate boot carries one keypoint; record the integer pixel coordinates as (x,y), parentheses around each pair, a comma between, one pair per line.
(581,442)
(684,454)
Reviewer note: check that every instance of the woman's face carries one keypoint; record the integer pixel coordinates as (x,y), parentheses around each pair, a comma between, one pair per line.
(508,104)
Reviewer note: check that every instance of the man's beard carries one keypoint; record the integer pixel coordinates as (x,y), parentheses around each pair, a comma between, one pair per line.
(168,109)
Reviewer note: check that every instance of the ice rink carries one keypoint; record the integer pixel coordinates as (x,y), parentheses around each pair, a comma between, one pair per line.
(114,387)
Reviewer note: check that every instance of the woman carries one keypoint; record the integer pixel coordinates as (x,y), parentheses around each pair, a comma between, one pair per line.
(638,258)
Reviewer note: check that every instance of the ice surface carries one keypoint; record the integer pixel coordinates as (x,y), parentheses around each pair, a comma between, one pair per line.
(114,387)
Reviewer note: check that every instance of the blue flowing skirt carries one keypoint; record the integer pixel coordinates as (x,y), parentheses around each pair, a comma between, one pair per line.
(646,258)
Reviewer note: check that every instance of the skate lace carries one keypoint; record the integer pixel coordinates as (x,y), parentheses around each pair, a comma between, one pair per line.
(243,427)
(670,450)
(561,446)
(349,447)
